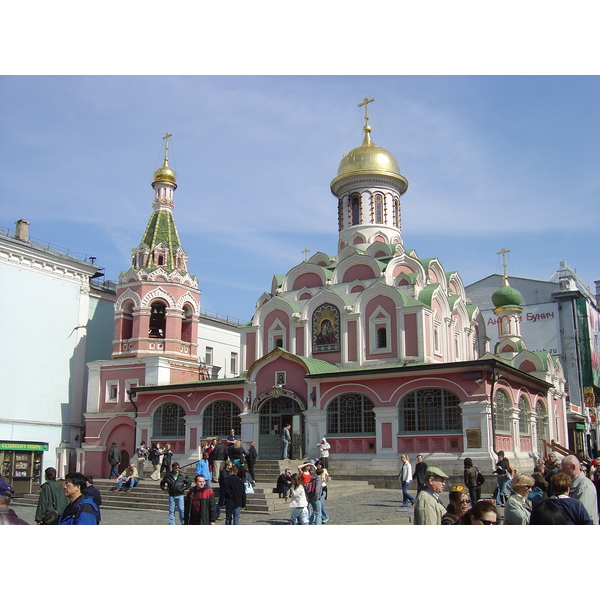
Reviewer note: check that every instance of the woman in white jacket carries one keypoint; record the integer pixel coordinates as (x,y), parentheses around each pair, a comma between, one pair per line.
(405,477)
(299,503)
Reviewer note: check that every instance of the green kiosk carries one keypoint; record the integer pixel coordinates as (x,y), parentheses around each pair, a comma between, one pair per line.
(22,464)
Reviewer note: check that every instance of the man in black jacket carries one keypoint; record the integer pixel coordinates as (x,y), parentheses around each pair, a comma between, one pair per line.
(219,456)
(235,497)
(176,483)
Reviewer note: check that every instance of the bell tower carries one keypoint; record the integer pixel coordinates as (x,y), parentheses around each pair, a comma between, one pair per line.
(158,302)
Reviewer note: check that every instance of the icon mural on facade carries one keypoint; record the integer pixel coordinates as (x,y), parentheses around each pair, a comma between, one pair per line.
(326,329)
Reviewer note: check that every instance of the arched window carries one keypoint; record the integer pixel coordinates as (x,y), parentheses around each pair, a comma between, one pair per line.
(219,417)
(186,324)
(543,433)
(524,416)
(127,321)
(378,209)
(169,421)
(158,321)
(430,409)
(355,209)
(502,413)
(382,337)
(350,413)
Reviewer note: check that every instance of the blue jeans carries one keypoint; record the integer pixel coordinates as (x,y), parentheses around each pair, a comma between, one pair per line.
(175,501)
(284,449)
(114,469)
(316,518)
(503,493)
(132,482)
(221,502)
(232,512)
(406,497)
(296,517)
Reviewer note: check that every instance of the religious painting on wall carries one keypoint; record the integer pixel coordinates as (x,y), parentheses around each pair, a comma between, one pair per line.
(326,329)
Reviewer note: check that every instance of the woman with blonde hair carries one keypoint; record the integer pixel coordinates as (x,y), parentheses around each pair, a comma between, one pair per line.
(518,507)
(405,477)
(236,453)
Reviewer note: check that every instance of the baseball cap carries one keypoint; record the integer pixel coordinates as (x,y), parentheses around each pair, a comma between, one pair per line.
(434,471)
(6,489)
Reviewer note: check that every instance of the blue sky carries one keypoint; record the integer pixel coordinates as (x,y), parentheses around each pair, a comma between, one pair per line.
(492,162)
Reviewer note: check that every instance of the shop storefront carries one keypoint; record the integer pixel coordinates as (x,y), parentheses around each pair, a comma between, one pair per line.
(22,464)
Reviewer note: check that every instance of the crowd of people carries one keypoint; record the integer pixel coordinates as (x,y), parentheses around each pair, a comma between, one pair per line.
(557,493)
(561,492)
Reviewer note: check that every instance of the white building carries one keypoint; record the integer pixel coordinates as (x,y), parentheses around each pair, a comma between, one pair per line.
(49,308)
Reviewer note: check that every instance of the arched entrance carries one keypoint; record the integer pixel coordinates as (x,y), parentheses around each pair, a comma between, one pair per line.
(276,408)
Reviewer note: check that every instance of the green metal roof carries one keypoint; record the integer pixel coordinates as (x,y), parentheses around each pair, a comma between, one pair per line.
(161,230)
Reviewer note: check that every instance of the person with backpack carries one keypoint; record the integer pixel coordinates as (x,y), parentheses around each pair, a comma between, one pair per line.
(82,510)
(473,479)
(314,491)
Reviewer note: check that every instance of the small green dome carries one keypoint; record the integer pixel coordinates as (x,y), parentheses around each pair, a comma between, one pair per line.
(507,296)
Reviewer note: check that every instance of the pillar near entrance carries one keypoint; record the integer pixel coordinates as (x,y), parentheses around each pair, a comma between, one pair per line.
(386,427)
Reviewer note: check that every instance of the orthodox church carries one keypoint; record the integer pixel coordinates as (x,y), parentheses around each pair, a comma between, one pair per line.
(374,348)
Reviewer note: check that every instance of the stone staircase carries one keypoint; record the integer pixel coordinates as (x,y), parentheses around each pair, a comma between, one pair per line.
(147,495)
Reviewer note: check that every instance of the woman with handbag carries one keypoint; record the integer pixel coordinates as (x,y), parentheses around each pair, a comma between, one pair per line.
(473,480)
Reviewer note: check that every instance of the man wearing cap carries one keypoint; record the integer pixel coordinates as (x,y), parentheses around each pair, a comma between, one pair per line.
(429,509)
(7,515)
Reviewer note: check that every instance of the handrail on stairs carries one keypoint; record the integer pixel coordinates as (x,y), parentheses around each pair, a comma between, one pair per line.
(556,447)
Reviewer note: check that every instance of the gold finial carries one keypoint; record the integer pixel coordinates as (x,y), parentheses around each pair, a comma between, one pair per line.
(366,103)
(166,138)
(503,252)
(305,252)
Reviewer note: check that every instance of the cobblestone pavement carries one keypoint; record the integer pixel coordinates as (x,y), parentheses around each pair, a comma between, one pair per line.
(375,507)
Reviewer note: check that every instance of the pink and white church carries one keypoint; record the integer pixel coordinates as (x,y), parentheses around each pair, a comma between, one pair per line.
(375,348)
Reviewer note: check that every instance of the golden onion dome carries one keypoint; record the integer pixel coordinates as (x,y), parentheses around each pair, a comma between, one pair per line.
(368,157)
(165,174)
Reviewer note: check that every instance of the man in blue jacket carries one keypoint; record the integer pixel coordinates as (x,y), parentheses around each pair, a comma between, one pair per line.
(82,510)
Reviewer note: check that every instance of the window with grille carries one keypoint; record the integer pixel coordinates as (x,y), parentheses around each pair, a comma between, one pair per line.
(430,409)
(542,425)
(502,413)
(350,413)
(524,416)
(219,418)
(169,421)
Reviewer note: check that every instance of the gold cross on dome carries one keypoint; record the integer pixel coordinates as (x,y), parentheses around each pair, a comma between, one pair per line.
(503,252)
(166,138)
(305,252)
(366,103)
